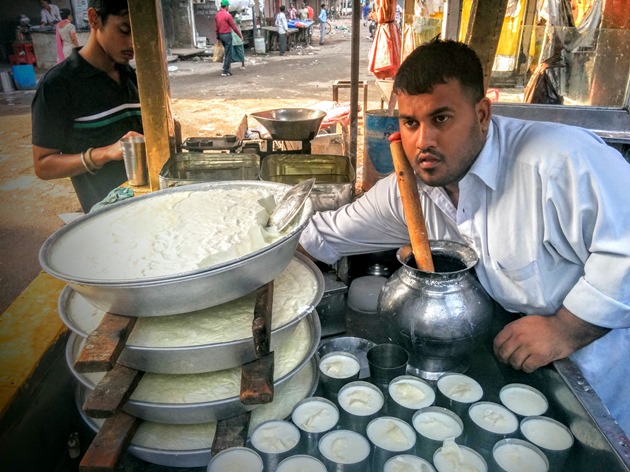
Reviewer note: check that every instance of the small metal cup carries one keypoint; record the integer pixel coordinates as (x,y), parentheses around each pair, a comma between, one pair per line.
(470,457)
(352,420)
(404,408)
(443,399)
(428,444)
(513,396)
(386,361)
(524,450)
(539,436)
(301,462)
(407,460)
(310,436)
(482,439)
(381,453)
(270,458)
(332,385)
(352,453)
(135,158)
(245,457)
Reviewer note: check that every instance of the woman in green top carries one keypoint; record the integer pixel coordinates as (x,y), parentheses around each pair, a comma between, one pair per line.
(238,50)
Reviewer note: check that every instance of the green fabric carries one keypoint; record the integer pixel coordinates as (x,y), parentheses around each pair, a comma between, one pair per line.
(117,195)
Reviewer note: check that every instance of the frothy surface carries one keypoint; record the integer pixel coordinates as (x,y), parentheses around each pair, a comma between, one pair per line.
(315,416)
(339,366)
(275,437)
(391,434)
(344,447)
(523,400)
(460,388)
(236,460)
(412,394)
(436,425)
(171,233)
(547,434)
(519,458)
(452,458)
(300,464)
(407,463)
(360,400)
(493,417)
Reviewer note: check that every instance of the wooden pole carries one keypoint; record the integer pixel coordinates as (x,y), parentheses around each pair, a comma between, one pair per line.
(153,85)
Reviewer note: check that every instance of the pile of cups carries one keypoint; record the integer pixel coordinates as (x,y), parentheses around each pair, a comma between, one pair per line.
(398,422)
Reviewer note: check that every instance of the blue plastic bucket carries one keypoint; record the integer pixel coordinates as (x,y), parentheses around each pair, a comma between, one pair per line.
(379,125)
(24,77)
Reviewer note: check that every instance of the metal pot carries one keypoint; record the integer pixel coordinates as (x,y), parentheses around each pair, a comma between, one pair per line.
(439,317)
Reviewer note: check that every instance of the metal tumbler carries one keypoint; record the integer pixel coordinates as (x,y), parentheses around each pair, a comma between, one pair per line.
(135,158)
(314,416)
(551,436)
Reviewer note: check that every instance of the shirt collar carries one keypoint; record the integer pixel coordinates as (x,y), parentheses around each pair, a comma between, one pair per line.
(486,166)
(85,70)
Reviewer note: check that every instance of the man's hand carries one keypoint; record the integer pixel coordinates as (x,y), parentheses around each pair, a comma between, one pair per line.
(534,340)
(113,152)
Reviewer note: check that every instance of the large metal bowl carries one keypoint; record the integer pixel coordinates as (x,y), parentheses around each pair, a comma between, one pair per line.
(188,457)
(188,291)
(291,124)
(192,413)
(190,359)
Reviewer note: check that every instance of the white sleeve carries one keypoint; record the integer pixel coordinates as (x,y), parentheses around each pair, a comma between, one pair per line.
(375,222)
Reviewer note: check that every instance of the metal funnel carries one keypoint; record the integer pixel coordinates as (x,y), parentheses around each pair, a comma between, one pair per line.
(291,124)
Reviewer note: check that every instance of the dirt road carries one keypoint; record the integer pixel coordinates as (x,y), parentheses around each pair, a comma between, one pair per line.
(204,102)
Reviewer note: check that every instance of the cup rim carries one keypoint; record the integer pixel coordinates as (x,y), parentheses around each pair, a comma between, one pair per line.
(266,423)
(237,448)
(524,387)
(404,424)
(412,378)
(438,409)
(337,353)
(314,399)
(549,420)
(520,442)
(361,383)
(397,347)
(449,374)
(359,436)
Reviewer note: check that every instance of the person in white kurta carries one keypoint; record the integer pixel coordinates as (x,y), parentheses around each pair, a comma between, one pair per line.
(545,206)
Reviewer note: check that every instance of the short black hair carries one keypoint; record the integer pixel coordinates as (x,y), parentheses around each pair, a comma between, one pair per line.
(282,8)
(105,8)
(64,13)
(437,62)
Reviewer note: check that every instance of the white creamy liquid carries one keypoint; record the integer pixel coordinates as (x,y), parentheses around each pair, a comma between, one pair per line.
(407,463)
(85,316)
(391,434)
(168,234)
(523,400)
(437,426)
(236,460)
(519,458)
(339,366)
(214,386)
(412,394)
(190,437)
(493,417)
(460,388)
(315,416)
(344,447)
(294,293)
(275,437)
(300,464)
(547,434)
(360,400)
(452,458)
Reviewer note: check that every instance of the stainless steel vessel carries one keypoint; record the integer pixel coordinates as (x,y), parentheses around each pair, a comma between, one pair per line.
(439,316)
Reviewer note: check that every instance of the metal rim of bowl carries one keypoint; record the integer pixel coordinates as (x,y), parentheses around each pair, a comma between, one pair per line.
(45,251)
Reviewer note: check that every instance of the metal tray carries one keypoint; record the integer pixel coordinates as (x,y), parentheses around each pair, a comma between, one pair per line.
(188,291)
(192,359)
(192,413)
(187,168)
(334,175)
(186,457)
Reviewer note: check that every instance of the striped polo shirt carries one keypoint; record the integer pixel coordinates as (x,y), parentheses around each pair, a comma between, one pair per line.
(77,106)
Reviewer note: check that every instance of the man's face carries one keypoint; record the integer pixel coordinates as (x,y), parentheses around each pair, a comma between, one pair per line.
(115,39)
(442,132)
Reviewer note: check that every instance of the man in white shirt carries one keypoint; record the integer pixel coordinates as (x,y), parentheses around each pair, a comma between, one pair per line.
(545,206)
(50,14)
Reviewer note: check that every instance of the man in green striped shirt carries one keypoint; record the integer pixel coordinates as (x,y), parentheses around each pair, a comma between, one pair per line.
(86,104)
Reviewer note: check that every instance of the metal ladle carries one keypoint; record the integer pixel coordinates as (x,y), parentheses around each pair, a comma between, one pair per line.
(290,205)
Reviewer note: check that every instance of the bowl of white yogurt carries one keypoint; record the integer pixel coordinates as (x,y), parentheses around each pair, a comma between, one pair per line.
(176,250)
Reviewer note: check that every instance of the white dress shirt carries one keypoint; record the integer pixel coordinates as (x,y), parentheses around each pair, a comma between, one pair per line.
(547,209)
(52,16)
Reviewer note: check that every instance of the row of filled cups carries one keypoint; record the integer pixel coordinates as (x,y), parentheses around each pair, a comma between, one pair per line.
(540,442)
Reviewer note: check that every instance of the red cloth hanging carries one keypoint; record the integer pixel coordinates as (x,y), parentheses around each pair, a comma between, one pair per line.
(384,59)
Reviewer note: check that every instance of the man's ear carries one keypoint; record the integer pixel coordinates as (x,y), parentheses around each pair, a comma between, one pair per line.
(93,19)
(483,108)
